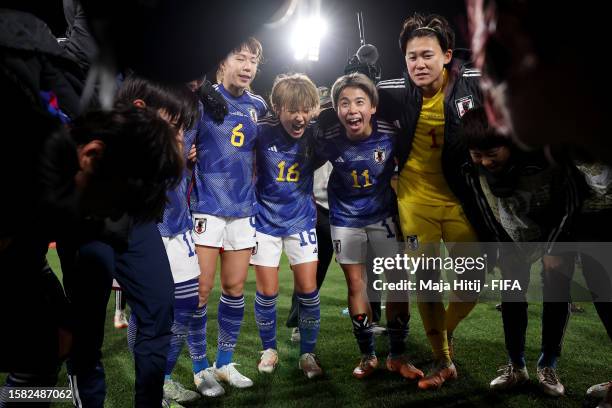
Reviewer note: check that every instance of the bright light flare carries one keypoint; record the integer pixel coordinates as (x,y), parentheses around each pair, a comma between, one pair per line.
(306,38)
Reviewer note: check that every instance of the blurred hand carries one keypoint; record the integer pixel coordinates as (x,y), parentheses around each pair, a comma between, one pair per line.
(191,157)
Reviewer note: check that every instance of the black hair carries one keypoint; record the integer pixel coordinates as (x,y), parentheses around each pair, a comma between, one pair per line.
(432,25)
(140,162)
(477,134)
(176,99)
(354,80)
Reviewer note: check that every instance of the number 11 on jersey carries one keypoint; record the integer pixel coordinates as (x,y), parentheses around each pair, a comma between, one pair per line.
(366,176)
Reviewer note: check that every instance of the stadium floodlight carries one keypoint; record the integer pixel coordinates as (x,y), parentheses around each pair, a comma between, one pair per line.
(306,38)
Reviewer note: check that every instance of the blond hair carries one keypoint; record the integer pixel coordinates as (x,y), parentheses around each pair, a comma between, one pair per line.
(294,92)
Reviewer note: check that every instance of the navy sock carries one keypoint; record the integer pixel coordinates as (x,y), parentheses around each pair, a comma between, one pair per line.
(309,320)
(185,304)
(265,317)
(362,329)
(518,360)
(196,339)
(547,360)
(229,317)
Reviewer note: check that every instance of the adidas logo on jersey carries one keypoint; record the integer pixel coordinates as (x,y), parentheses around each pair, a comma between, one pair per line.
(237,113)
(339,160)
(273,148)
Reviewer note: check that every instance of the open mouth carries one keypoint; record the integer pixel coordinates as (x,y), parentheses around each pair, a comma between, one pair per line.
(354,124)
(295,129)
(245,78)
(298,127)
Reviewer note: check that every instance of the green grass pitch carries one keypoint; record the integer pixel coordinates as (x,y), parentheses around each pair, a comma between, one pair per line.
(479,351)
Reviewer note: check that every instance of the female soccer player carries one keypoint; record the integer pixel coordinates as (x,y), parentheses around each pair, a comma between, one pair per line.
(286,217)
(363,211)
(435,202)
(175,231)
(223,199)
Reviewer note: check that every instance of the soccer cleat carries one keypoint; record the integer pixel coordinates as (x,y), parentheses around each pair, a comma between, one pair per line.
(378,330)
(207,384)
(366,366)
(295,335)
(166,403)
(599,391)
(310,365)
(403,366)
(268,361)
(230,375)
(120,320)
(608,399)
(438,375)
(549,382)
(174,391)
(511,376)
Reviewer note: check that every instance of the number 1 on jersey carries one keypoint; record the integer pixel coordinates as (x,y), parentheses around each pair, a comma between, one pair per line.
(432,133)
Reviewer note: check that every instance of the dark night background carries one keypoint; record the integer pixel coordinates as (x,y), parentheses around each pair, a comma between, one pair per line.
(383,19)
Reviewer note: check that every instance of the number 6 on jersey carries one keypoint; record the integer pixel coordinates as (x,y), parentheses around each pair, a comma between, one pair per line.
(237,136)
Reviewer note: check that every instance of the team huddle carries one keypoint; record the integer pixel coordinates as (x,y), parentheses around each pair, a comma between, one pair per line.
(250,198)
(170,180)
(142,178)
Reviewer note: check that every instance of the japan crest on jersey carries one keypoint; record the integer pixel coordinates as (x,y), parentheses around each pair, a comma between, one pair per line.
(464,104)
(253,114)
(379,155)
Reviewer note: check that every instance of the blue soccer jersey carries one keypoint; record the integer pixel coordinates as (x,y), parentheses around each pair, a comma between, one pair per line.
(285,171)
(223,175)
(359,188)
(177,217)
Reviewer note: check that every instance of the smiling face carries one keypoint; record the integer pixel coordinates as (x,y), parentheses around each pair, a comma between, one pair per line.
(355,112)
(425,61)
(295,121)
(239,70)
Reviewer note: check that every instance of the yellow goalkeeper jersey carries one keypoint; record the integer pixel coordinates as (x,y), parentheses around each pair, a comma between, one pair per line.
(421,180)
